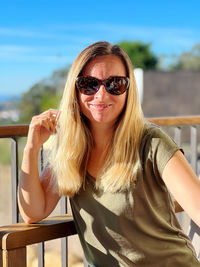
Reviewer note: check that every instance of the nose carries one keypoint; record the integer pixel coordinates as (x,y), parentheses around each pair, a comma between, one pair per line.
(100,94)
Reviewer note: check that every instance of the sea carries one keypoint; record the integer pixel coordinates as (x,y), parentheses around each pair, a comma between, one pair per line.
(4,98)
(7,98)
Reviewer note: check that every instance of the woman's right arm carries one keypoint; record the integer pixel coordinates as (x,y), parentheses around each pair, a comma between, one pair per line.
(35,197)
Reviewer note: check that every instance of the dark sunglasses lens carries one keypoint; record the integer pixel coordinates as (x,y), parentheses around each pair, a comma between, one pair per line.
(116,85)
(87,86)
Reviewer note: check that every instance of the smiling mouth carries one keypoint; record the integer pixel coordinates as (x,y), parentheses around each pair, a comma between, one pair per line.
(100,106)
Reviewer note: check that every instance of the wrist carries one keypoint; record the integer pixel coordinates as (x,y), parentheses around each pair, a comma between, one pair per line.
(29,148)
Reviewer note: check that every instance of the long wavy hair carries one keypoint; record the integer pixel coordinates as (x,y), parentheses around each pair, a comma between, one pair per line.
(70,148)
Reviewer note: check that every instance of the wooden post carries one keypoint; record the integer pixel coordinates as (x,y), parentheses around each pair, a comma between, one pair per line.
(14,257)
(1,260)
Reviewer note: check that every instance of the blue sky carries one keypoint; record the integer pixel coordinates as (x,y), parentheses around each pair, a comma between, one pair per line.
(38,37)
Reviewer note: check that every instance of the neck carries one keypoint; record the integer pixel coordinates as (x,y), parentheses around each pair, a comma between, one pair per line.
(102,135)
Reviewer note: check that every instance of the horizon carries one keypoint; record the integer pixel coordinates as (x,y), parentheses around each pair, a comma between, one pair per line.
(38,38)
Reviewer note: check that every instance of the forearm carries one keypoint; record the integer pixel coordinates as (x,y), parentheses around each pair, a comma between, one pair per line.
(31,195)
(35,200)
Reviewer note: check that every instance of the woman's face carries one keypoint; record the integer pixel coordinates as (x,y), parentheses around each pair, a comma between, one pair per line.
(103,107)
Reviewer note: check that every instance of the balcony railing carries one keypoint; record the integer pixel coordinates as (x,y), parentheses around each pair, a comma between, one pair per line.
(17,236)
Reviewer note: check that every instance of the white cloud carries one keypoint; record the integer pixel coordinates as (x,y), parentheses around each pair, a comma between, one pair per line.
(29,33)
(163,39)
(64,42)
(23,58)
(54,46)
(38,54)
(15,48)
(45,33)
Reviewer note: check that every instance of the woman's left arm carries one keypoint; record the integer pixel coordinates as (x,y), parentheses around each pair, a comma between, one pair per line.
(184,185)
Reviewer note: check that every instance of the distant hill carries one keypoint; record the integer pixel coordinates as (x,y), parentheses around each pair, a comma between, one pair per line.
(9,112)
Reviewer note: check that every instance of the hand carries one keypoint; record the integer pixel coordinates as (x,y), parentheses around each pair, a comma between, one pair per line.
(41,127)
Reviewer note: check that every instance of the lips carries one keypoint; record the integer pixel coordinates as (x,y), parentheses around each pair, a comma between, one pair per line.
(100,106)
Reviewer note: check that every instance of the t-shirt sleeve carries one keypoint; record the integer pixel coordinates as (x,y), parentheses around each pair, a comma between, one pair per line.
(162,148)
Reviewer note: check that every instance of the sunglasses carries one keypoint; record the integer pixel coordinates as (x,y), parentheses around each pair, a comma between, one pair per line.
(115,85)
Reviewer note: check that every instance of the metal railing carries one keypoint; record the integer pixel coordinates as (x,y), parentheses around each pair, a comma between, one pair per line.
(15,237)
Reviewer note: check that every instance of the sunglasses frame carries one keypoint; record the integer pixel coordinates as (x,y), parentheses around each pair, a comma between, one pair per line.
(100,82)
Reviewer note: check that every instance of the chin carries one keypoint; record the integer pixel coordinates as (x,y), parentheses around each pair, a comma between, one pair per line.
(100,118)
(103,120)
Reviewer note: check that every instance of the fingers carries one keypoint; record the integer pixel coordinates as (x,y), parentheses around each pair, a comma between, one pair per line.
(48,119)
(51,117)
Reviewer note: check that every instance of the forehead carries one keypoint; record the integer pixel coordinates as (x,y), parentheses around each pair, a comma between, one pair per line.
(105,66)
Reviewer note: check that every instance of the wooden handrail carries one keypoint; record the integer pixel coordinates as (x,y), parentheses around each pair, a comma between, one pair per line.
(14,238)
(13,130)
(22,130)
(21,234)
(175,121)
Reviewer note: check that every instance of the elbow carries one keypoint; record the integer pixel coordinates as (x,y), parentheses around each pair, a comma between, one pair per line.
(30,220)
(30,217)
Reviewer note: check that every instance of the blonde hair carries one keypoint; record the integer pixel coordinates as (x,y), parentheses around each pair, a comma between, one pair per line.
(71,146)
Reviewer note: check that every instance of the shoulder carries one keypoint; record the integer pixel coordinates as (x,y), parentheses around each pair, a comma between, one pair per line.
(155,136)
(153,131)
(157,146)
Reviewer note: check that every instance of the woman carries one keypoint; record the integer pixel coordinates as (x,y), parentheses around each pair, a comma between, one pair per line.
(116,168)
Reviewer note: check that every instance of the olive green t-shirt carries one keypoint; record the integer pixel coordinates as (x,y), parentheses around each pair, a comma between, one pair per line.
(136,227)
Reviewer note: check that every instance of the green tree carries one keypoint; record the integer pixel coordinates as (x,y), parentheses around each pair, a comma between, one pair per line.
(188,60)
(140,54)
(43,95)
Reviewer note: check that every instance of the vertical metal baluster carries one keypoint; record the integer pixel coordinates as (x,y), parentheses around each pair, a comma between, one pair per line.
(14,175)
(41,246)
(64,241)
(177,135)
(193,144)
